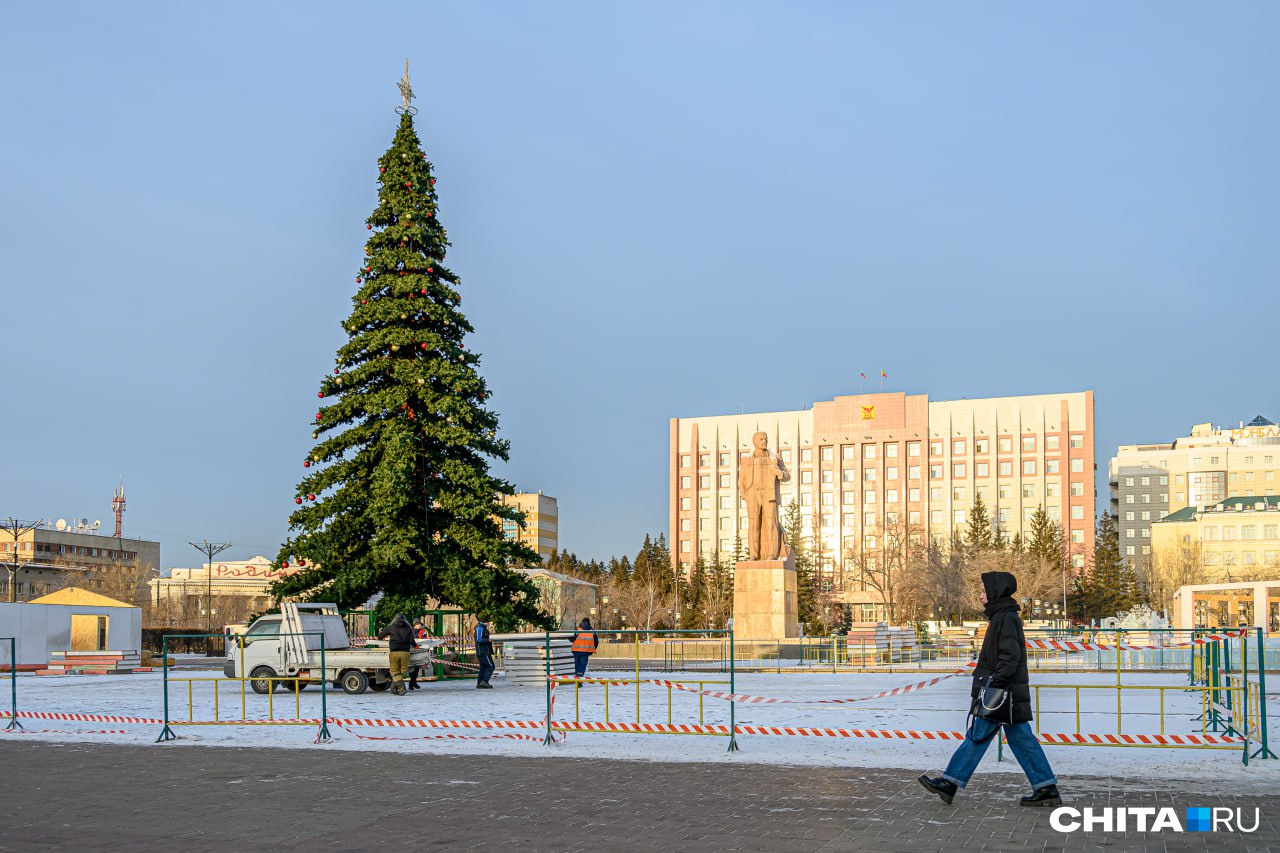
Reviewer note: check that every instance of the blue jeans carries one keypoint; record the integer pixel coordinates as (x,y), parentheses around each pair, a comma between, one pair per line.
(485,659)
(580,663)
(1023,743)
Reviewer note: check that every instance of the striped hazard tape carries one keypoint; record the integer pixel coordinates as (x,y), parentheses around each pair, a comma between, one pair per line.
(83,718)
(66,731)
(1073,646)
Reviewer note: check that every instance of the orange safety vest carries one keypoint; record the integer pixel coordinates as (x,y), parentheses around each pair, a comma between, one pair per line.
(584,642)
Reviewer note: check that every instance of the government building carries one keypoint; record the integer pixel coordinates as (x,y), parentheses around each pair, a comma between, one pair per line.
(862,467)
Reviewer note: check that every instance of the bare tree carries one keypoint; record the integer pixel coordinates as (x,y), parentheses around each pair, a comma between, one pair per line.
(1174,566)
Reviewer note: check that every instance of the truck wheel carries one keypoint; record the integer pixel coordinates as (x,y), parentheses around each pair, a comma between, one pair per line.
(259,679)
(379,686)
(354,681)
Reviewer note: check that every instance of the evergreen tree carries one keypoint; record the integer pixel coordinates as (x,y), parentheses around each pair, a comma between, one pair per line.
(398,497)
(1046,538)
(1105,589)
(978,536)
(806,574)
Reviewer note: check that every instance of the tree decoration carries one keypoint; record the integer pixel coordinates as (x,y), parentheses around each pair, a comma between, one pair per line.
(391,526)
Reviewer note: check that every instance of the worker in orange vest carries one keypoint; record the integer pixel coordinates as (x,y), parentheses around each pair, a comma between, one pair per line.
(584,645)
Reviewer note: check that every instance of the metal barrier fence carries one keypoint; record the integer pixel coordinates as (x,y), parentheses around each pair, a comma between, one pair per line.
(653,653)
(261,684)
(13,725)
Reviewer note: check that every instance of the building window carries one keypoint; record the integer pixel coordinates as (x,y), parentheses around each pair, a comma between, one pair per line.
(1077,537)
(1003,491)
(1006,469)
(957,517)
(1028,490)
(1077,560)
(828,476)
(1077,490)
(869,496)
(704,460)
(935,517)
(1146,550)
(869,475)
(1028,513)
(958,470)
(806,477)
(1248,558)
(913,518)
(957,447)
(1269,531)
(935,472)
(686,524)
(891,473)
(828,499)
(913,495)
(684,460)
(913,448)
(1270,558)
(1051,490)
(981,445)
(935,448)
(1051,466)
(1077,441)
(913,472)
(806,499)
(935,494)
(1077,512)
(724,481)
(850,498)
(1002,516)
(868,451)
(1146,516)
(1248,531)
(684,545)
(850,475)
(806,454)
(786,455)
(1028,444)
(891,496)
(1050,442)
(981,469)
(704,482)
(684,482)
(1130,550)
(724,460)
(1005,444)
(1029,467)
(704,503)
(1077,466)
(957,493)
(849,451)
(685,503)
(828,454)
(891,451)
(1146,499)
(726,523)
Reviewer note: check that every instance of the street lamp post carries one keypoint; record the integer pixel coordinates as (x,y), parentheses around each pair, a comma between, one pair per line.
(210,550)
(17,529)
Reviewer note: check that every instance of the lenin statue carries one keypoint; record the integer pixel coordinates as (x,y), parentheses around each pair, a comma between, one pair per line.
(758,478)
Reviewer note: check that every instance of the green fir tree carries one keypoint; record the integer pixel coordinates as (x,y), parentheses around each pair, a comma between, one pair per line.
(978,536)
(806,565)
(398,497)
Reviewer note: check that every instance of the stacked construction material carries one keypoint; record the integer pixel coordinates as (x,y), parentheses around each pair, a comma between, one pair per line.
(93,663)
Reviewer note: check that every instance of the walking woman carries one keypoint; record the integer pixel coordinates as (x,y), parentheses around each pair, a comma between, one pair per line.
(1002,664)
(584,646)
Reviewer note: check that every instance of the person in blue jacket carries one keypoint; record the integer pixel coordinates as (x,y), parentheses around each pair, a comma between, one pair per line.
(484,652)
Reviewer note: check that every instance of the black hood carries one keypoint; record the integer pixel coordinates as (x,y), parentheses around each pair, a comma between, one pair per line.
(1000,587)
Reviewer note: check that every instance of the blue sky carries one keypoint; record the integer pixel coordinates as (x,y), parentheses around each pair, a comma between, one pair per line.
(983,199)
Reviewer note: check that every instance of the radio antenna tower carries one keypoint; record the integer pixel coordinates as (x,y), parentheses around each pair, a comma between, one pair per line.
(117,505)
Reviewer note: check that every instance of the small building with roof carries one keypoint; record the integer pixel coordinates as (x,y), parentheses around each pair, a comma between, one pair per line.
(69,620)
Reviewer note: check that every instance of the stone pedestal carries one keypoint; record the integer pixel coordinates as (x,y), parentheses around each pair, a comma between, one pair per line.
(764,599)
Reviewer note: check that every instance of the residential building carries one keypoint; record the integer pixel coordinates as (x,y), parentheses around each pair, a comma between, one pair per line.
(567,599)
(54,555)
(1234,540)
(863,466)
(540,530)
(1150,481)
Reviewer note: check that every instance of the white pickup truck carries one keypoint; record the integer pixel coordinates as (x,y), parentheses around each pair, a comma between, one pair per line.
(286,645)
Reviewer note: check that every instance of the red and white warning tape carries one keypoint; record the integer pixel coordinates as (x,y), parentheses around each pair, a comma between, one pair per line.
(84,718)
(65,731)
(1073,646)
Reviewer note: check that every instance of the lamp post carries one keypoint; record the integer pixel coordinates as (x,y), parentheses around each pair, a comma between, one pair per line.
(210,550)
(17,529)
(604,608)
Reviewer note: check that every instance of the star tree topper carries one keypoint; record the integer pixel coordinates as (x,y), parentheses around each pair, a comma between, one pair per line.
(406,91)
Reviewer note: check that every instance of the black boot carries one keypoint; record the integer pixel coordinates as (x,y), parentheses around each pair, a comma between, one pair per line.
(944,789)
(1048,796)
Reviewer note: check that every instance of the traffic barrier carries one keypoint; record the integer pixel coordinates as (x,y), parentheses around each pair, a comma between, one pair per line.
(245,680)
(14,725)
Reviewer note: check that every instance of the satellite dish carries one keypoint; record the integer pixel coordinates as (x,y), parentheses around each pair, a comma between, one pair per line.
(96,525)
(61,524)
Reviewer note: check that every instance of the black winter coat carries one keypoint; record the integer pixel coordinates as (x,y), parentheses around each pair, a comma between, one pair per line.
(1004,648)
(399,636)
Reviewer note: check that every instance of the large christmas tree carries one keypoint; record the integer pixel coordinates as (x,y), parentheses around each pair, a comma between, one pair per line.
(398,497)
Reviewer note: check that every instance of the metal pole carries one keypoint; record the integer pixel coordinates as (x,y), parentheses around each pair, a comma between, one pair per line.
(17,531)
(546,663)
(323,735)
(733,705)
(14,725)
(167,733)
(211,550)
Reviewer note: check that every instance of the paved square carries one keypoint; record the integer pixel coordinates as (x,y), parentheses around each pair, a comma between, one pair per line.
(89,797)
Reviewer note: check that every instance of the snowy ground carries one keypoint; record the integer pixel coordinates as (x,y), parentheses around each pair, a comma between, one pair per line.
(940,707)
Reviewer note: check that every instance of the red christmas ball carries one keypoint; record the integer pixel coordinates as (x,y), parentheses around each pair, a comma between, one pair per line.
(297,500)
(285,564)
(302,562)
(319,415)
(424,345)
(364,301)
(368,228)
(306,464)
(433,180)
(335,371)
(382,169)
(424,291)
(320,394)
(311,497)
(431,269)
(409,185)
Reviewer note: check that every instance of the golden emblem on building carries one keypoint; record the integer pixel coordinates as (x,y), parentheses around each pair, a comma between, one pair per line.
(868,413)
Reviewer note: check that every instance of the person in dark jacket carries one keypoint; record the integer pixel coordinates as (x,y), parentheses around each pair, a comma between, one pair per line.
(583,647)
(399,637)
(484,653)
(1003,660)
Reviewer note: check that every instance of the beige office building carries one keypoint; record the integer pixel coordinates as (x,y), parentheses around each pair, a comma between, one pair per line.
(1151,481)
(1230,541)
(860,466)
(541,522)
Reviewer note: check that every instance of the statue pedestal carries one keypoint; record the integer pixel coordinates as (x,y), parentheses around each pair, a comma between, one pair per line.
(764,599)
